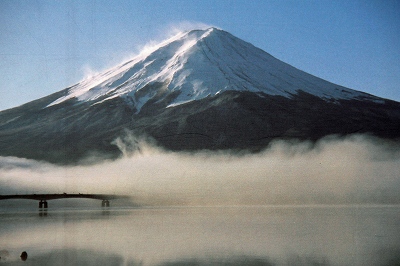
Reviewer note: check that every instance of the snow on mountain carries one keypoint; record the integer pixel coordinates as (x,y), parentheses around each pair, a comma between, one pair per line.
(200,90)
(203,63)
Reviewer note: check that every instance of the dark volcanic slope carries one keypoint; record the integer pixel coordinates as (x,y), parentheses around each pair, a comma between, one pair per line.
(68,132)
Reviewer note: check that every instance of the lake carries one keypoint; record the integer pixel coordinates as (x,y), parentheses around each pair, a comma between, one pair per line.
(236,235)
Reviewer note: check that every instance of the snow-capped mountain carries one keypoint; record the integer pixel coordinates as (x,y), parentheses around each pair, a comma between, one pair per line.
(203,63)
(202,89)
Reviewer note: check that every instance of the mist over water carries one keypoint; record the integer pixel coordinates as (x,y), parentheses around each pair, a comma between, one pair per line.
(353,170)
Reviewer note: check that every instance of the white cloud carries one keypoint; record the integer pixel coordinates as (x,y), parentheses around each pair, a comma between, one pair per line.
(350,170)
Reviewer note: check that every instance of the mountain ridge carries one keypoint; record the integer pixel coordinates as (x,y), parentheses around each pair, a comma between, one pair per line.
(200,90)
(199,63)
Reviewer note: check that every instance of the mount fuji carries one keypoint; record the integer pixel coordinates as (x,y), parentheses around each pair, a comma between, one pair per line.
(199,90)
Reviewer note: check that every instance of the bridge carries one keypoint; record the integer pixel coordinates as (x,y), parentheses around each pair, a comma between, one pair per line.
(43,198)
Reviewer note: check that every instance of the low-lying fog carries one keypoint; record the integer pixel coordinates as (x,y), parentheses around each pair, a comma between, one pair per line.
(356,169)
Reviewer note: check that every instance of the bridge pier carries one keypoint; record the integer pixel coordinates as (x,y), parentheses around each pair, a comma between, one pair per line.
(105,203)
(43,204)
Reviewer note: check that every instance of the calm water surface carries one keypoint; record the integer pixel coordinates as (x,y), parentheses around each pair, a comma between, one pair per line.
(268,235)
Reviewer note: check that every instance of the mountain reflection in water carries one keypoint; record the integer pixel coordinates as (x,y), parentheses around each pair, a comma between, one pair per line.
(274,235)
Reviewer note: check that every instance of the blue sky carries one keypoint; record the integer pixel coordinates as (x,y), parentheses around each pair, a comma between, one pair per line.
(46,46)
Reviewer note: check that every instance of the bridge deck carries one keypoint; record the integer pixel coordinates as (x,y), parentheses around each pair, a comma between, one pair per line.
(61,196)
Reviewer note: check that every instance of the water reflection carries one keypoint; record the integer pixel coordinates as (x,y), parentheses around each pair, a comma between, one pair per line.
(248,261)
(74,257)
(81,215)
(203,236)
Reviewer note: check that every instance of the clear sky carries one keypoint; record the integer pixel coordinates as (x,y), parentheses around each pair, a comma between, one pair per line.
(46,46)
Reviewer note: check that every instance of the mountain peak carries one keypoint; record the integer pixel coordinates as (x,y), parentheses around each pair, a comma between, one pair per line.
(199,90)
(197,64)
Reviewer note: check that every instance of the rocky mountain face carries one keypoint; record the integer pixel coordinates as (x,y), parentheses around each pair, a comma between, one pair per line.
(203,89)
